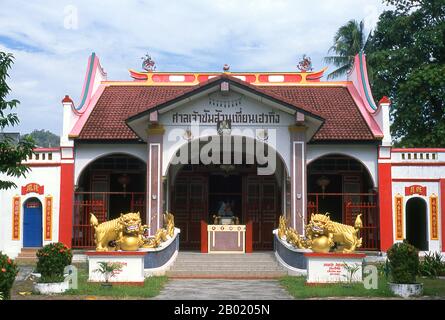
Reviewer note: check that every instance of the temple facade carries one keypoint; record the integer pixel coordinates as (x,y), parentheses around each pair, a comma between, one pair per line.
(249,146)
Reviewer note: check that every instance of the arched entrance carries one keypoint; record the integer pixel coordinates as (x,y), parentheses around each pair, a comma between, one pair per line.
(32,223)
(342,186)
(108,186)
(197,192)
(416,223)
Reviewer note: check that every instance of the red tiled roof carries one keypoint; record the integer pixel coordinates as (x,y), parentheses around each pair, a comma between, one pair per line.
(343,120)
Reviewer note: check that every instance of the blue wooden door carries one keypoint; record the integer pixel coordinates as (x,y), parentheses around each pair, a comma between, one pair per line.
(32,223)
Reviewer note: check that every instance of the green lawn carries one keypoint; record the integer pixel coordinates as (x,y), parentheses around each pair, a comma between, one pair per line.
(152,287)
(297,287)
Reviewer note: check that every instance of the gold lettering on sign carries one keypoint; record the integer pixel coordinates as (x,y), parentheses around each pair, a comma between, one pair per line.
(48,217)
(434,217)
(398,207)
(16,218)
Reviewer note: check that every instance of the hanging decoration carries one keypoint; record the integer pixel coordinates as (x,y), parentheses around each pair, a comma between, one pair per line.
(398,206)
(434,217)
(323,182)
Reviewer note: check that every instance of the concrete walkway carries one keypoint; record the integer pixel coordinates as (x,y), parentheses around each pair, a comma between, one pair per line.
(217,289)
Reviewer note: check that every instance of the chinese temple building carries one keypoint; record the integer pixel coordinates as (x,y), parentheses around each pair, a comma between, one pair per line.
(245,145)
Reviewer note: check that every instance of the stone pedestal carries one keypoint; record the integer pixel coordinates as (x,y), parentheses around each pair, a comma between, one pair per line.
(132,270)
(333,267)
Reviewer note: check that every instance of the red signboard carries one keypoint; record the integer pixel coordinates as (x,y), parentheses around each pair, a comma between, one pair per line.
(434,218)
(16,218)
(399,216)
(32,187)
(48,217)
(415,189)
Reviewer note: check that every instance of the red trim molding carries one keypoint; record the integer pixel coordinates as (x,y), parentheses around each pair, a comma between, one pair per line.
(46,149)
(442,209)
(385,206)
(334,255)
(418,150)
(66,203)
(415,180)
(116,253)
(44,164)
(204,237)
(419,164)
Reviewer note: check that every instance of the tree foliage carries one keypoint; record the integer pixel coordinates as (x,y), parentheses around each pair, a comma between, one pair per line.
(12,153)
(407,54)
(44,138)
(349,40)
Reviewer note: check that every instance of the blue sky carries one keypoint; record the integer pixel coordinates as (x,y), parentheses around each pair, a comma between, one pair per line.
(51,41)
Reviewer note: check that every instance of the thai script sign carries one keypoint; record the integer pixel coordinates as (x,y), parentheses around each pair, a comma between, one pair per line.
(16,218)
(217,116)
(48,217)
(434,218)
(415,189)
(399,216)
(32,187)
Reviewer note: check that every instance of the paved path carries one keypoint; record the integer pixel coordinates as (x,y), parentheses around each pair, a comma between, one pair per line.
(217,289)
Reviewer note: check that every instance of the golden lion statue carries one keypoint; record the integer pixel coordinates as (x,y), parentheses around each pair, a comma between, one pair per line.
(322,234)
(125,231)
(161,235)
(345,236)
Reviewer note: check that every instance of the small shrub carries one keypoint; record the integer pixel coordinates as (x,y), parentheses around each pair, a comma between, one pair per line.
(432,265)
(8,272)
(403,263)
(109,269)
(52,259)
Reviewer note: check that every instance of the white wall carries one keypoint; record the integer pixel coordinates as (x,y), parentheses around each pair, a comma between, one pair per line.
(366,154)
(432,187)
(49,177)
(84,154)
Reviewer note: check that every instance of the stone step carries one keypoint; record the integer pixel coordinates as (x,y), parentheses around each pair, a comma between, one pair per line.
(225,274)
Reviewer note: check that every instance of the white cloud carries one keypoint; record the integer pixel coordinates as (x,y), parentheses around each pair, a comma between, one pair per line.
(262,35)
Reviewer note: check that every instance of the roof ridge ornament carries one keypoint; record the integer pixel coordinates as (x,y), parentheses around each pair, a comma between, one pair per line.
(226,68)
(148,64)
(305,64)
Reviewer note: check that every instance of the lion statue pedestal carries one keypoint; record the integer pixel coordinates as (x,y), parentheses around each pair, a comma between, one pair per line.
(322,235)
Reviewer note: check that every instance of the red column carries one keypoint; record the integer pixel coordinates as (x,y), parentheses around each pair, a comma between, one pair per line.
(442,210)
(385,204)
(66,203)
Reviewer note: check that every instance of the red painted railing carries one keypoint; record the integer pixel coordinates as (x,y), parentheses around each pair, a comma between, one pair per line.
(98,204)
(352,205)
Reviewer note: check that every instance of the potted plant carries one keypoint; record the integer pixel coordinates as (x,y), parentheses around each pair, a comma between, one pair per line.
(109,270)
(403,261)
(351,270)
(52,260)
(8,272)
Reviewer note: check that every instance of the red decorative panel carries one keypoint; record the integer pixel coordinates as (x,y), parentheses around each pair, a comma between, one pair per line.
(16,218)
(48,217)
(415,189)
(398,207)
(434,217)
(33,187)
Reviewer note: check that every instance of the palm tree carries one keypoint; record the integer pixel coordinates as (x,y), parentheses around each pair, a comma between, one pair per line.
(349,40)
